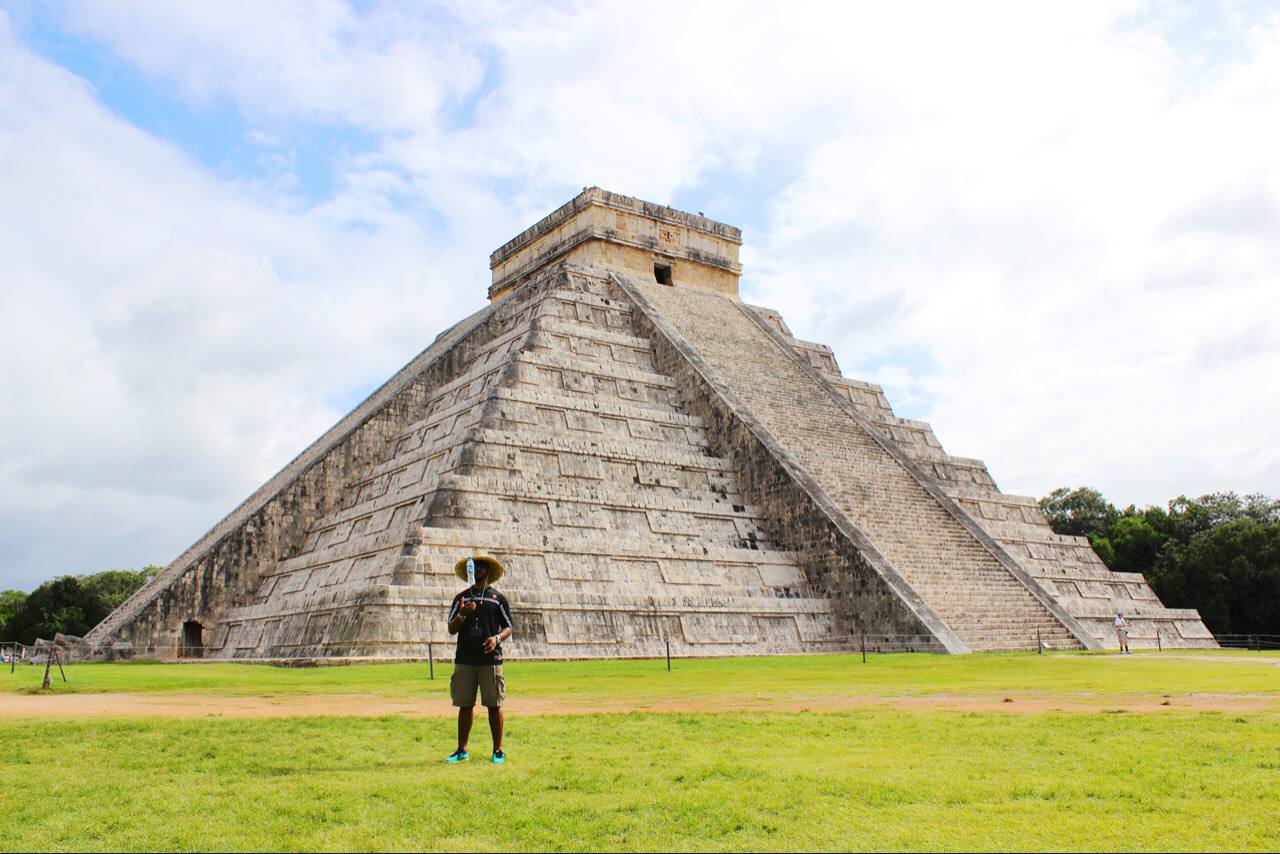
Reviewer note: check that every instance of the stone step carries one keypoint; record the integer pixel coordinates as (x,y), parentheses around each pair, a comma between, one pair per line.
(550,326)
(956,622)
(534,396)
(555,360)
(627,545)
(650,603)
(586,495)
(606,448)
(632,472)
(611,306)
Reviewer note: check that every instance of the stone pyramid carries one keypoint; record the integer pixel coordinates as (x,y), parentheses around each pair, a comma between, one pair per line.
(656,463)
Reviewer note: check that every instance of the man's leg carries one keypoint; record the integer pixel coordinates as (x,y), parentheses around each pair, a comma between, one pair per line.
(493,692)
(495,726)
(462,688)
(465,716)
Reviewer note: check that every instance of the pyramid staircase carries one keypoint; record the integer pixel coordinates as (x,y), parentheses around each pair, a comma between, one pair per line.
(1065,567)
(979,593)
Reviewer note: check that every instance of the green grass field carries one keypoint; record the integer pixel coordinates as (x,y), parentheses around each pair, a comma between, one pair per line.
(882,776)
(640,682)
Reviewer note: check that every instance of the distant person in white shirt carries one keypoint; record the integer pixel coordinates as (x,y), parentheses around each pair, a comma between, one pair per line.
(1122,633)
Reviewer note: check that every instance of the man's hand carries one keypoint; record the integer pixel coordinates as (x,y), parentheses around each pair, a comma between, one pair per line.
(465,609)
(490,644)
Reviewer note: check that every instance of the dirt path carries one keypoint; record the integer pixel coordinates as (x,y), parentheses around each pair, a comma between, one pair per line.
(351,705)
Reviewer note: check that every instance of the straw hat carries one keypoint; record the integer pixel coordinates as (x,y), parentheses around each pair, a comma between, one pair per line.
(495,567)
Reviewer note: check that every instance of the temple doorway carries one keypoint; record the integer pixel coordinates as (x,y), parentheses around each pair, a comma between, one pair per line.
(192,640)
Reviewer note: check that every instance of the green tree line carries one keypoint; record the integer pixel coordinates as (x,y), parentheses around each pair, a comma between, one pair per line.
(71,604)
(1219,553)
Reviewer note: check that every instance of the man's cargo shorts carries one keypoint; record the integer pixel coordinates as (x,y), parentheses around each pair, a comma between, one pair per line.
(487,677)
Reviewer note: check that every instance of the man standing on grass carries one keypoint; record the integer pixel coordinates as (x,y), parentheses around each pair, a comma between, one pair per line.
(1122,633)
(481,618)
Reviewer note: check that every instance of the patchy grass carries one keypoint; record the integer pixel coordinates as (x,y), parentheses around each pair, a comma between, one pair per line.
(737,679)
(873,779)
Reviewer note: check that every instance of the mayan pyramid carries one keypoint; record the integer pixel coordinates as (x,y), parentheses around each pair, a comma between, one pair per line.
(657,463)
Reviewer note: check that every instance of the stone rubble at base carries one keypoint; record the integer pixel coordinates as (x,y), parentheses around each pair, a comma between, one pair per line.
(655,464)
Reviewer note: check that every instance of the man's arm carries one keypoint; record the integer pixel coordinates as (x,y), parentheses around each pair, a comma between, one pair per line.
(504,618)
(458,614)
(491,643)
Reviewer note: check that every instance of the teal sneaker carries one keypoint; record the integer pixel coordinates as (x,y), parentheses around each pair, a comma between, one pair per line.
(499,757)
(458,756)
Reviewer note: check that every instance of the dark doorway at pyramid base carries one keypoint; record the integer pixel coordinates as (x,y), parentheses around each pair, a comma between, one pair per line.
(192,640)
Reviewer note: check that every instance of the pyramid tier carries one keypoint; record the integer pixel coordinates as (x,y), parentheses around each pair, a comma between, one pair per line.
(572,595)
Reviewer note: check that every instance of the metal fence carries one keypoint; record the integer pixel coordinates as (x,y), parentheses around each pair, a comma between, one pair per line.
(71,653)
(65,650)
(1253,642)
(865,643)
(12,653)
(71,650)
(876,642)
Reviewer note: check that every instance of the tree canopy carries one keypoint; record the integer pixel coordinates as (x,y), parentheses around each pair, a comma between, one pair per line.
(71,604)
(1081,511)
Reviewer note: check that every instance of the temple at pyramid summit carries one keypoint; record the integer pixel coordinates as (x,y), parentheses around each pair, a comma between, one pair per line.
(656,463)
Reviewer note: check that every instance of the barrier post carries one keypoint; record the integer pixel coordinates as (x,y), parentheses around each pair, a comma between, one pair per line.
(431,660)
(1159,643)
(1039,644)
(862,643)
(668,655)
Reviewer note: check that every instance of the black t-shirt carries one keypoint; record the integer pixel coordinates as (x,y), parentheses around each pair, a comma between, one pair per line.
(492,615)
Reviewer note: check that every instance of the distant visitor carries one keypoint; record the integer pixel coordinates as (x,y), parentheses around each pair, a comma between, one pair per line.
(1122,633)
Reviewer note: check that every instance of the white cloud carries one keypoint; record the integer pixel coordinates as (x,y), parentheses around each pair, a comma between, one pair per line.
(1049,229)
(1082,267)
(381,71)
(169,340)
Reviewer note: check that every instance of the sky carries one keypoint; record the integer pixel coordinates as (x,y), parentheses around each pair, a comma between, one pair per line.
(1051,230)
